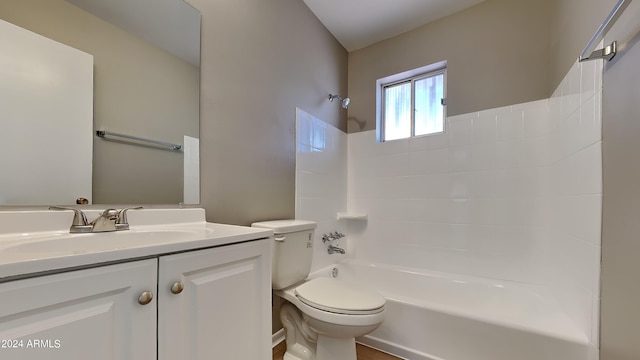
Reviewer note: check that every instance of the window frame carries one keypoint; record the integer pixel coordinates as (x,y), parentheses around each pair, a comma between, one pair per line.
(405,77)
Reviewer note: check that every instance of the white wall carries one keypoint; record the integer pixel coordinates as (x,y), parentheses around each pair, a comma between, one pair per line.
(321,181)
(46,112)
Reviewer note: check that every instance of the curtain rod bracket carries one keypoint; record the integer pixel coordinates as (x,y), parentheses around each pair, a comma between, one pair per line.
(607,53)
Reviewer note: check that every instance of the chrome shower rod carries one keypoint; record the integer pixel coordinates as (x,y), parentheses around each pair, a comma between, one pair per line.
(589,52)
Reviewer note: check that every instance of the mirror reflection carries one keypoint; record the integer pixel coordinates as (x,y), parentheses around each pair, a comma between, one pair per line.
(145,61)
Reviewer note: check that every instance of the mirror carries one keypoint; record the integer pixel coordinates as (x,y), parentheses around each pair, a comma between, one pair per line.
(146,83)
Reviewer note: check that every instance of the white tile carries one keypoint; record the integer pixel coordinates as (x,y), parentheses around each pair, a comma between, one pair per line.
(535,152)
(483,211)
(595,322)
(483,184)
(460,211)
(428,162)
(427,234)
(588,79)
(576,300)
(459,185)
(585,264)
(389,147)
(396,187)
(584,171)
(590,121)
(460,129)
(583,216)
(419,143)
(483,157)
(555,109)
(571,91)
(510,124)
(485,127)
(440,140)
(599,72)
(506,182)
(360,144)
(460,158)
(537,119)
(460,236)
(572,135)
(390,165)
(303,130)
(509,154)
(430,186)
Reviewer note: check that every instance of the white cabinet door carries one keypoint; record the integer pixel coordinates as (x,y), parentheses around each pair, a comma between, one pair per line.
(79,315)
(224,310)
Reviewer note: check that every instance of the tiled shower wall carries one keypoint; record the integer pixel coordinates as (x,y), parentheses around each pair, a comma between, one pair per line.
(321,181)
(512,193)
(574,208)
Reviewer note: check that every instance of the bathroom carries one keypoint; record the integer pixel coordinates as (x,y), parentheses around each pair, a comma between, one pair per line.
(523,50)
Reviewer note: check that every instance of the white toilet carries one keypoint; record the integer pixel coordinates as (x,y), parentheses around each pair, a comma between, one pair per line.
(321,316)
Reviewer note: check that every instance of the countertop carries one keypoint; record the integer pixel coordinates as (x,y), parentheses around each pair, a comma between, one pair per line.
(38,242)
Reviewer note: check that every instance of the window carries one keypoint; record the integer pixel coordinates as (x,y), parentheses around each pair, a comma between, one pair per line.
(411,103)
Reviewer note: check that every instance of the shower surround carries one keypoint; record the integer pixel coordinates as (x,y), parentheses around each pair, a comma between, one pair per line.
(511,193)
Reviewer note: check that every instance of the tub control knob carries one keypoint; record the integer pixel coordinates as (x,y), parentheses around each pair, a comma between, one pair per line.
(177,287)
(145,298)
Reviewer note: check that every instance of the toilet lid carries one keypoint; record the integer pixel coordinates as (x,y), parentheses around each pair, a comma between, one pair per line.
(339,297)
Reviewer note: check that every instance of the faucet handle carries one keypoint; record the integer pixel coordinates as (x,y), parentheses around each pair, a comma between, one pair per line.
(122,223)
(80,223)
(79,218)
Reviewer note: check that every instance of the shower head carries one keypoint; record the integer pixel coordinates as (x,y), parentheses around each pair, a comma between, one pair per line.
(344,102)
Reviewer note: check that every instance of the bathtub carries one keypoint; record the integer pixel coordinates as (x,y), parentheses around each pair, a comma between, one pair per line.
(440,316)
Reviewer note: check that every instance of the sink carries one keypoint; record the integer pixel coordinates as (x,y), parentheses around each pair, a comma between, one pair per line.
(92,242)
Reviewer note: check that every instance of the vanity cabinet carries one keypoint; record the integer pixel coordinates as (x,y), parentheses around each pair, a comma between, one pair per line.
(216,303)
(84,314)
(206,304)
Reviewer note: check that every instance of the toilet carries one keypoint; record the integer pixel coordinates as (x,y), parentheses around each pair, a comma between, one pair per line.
(321,316)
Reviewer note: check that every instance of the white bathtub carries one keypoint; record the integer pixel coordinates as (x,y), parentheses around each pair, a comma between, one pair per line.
(439,316)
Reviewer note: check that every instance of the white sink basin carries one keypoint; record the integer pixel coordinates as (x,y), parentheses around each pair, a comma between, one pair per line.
(37,241)
(92,242)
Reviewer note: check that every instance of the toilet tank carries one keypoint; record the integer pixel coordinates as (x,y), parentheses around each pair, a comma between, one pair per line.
(291,250)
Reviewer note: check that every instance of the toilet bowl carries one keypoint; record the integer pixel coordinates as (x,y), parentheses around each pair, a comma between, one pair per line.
(321,316)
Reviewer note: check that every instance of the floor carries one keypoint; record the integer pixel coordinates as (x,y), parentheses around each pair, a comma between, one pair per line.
(363,352)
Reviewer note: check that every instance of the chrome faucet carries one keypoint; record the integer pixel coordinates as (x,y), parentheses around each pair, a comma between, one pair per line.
(105,222)
(335,249)
(109,220)
(331,249)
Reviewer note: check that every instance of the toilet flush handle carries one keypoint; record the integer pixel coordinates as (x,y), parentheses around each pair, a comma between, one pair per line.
(280,238)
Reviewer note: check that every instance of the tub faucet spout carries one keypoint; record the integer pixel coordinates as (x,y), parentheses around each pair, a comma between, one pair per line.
(335,249)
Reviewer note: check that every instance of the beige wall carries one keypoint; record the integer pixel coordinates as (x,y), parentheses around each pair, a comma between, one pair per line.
(261,60)
(573,24)
(619,339)
(129,97)
(497,54)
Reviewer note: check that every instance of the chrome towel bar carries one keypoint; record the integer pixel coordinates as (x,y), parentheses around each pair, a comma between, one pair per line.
(105,134)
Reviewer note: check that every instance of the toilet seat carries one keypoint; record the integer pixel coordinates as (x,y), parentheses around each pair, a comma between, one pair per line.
(338,297)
